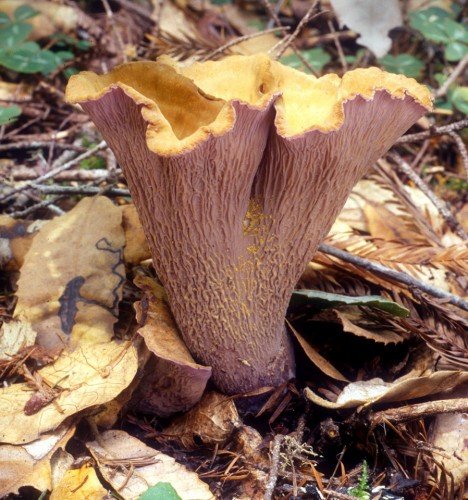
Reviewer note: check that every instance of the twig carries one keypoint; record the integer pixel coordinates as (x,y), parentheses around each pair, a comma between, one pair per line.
(393,275)
(420,410)
(54,171)
(338,46)
(118,37)
(83,190)
(39,144)
(137,9)
(433,132)
(276,20)
(437,202)
(337,495)
(461,149)
(241,39)
(287,41)
(23,173)
(33,208)
(457,71)
(275,459)
(157,17)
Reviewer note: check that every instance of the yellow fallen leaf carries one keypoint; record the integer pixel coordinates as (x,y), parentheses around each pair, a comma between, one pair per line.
(131,468)
(91,375)
(29,465)
(79,484)
(71,280)
(136,247)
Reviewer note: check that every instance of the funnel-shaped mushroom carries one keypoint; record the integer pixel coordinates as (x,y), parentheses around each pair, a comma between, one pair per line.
(238,169)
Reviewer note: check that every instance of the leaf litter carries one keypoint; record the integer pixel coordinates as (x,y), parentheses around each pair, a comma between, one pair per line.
(74,364)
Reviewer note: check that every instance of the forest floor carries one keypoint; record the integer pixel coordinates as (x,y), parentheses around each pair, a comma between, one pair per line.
(378,408)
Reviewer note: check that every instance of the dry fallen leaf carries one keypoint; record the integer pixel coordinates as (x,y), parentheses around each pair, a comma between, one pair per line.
(353,321)
(449,433)
(212,420)
(317,359)
(15,336)
(15,240)
(377,391)
(30,464)
(91,375)
(79,484)
(365,17)
(136,247)
(71,280)
(131,468)
(173,382)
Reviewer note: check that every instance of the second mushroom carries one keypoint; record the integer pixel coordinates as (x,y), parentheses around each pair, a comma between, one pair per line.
(238,168)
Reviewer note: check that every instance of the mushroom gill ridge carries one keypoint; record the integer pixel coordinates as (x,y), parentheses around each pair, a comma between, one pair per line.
(236,194)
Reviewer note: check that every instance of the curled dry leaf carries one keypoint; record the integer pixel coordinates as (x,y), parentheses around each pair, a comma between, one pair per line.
(79,484)
(71,280)
(377,391)
(15,240)
(212,421)
(131,468)
(30,464)
(91,375)
(365,17)
(172,382)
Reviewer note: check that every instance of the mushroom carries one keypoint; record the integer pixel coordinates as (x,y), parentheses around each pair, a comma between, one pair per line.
(238,169)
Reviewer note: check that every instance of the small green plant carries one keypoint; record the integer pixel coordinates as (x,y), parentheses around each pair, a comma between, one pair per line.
(317,58)
(439,26)
(9,114)
(23,56)
(161,491)
(457,96)
(361,491)
(405,64)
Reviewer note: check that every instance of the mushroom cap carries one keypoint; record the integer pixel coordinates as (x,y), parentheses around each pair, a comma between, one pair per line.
(185,105)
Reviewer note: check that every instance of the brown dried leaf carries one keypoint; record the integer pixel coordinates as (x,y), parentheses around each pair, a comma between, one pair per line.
(131,468)
(91,375)
(377,391)
(79,484)
(71,280)
(212,420)
(450,433)
(355,321)
(136,247)
(15,240)
(173,382)
(30,464)
(317,359)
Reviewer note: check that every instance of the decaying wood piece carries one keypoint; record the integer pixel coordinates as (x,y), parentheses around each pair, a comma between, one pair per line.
(238,169)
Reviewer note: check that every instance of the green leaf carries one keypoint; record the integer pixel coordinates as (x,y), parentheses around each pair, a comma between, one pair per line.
(323,300)
(161,491)
(459,98)
(317,58)
(403,63)
(455,31)
(8,114)
(25,61)
(13,34)
(455,51)
(24,12)
(4,19)
(430,23)
(68,72)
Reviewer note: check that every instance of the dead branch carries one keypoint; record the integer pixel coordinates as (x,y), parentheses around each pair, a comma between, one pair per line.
(433,132)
